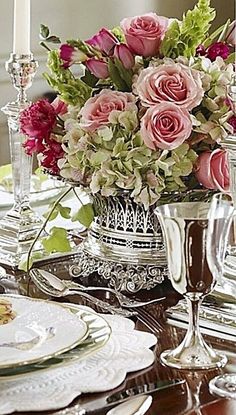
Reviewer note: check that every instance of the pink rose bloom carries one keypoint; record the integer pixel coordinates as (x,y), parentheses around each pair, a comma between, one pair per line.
(38,120)
(144,33)
(175,83)
(165,126)
(212,170)
(218,49)
(96,111)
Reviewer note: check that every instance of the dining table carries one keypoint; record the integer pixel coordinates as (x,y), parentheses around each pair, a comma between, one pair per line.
(191,397)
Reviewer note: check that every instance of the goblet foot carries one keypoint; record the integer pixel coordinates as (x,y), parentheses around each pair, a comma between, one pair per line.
(224,385)
(197,356)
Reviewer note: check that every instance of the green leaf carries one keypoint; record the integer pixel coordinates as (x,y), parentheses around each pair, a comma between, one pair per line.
(56,241)
(53,39)
(5,171)
(44,32)
(116,77)
(119,34)
(64,211)
(59,209)
(35,256)
(89,78)
(84,215)
(231,58)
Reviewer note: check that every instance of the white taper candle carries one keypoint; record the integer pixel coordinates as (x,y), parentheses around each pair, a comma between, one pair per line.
(21,40)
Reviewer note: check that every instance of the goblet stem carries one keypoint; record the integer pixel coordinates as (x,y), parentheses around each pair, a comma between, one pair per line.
(193,352)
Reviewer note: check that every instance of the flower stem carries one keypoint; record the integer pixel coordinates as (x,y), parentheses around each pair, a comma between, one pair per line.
(41,231)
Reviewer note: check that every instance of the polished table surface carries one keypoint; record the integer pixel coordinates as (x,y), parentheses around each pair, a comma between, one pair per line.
(192,397)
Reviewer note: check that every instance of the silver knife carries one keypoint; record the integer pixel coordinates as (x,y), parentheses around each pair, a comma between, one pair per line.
(118,397)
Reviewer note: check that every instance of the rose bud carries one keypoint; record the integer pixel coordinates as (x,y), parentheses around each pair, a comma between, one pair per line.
(123,53)
(98,68)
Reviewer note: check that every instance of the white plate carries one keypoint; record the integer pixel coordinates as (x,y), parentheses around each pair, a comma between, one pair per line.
(41,330)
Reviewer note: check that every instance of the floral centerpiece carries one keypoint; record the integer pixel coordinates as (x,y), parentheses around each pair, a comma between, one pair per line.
(140,108)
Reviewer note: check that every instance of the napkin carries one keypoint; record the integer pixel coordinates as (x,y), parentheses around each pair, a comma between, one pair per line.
(127,350)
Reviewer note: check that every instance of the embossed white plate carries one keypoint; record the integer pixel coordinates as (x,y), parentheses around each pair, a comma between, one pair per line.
(40,330)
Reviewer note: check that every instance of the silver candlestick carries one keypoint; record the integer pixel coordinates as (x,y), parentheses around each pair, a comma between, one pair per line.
(20,225)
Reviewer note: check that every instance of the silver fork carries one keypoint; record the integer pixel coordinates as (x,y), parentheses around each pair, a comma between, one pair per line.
(149,321)
(124,301)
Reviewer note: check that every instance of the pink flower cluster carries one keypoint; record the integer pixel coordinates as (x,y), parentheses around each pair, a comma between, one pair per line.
(170,92)
(143,35)
(38,122)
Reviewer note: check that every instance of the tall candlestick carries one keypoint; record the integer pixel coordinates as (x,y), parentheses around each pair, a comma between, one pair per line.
(21,40)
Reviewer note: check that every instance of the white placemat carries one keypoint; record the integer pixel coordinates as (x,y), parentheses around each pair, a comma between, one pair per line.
(126,351)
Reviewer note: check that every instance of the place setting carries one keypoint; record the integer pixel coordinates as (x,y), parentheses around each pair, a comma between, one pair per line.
(117,229)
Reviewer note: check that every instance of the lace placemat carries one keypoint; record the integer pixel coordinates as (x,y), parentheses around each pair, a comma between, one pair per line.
(126,351)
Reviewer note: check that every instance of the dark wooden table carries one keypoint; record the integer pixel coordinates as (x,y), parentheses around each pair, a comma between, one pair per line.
(192,397)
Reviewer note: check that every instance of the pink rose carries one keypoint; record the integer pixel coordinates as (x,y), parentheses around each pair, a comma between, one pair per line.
(175,83)
(165,126)
(144,33)
(212,169)
(96,111)
(38,120)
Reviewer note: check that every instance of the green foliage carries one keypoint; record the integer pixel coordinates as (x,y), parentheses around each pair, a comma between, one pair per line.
(120,76)
(35,256)
(71,90)
(182,38)
(56,241)
(118,33)
(84,215)
(58,210)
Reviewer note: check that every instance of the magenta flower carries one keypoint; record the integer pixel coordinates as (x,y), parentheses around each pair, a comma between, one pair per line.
(98,67)
(71,55)
(232,122)
(104,40)
(59,106)
(123,53)
(38,120)
(33,145)
(51,155)
(201,50)
(218,49)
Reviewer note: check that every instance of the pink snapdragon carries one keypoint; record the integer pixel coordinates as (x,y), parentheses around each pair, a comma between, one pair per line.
(59,106)
(218,49)
(104,41)
(98,67)
(38,120)
(123,53)
(144,33)
(212,169)
(33,145)
(70,55)
(165,126)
